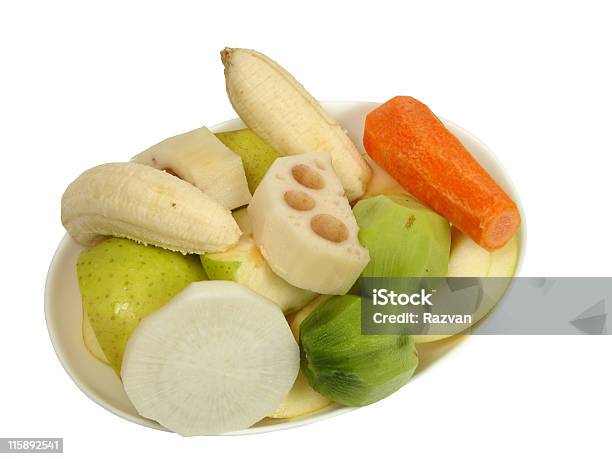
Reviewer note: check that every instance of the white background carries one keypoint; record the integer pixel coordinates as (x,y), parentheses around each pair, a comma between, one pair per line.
(84,84)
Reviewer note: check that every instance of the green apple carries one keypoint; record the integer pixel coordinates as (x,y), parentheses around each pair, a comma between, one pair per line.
(404,238)
(122,281)
(257,156)
(244,264)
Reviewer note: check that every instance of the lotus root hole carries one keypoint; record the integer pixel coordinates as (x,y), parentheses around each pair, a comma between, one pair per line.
(299,200)
(307,176)
(329,227)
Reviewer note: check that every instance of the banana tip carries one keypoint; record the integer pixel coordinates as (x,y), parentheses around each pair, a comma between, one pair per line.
(226,55)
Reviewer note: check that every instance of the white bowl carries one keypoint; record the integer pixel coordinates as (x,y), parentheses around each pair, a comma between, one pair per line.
(99,382)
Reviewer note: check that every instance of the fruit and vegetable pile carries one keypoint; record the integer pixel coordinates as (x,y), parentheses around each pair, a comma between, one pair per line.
(216,283)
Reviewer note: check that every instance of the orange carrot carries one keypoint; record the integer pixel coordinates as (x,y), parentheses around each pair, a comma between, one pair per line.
(412,145)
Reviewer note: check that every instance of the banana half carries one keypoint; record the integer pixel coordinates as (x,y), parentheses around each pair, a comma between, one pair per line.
(147,205)
(279,110)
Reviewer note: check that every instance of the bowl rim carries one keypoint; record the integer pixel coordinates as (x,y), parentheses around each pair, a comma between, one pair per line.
(325,413)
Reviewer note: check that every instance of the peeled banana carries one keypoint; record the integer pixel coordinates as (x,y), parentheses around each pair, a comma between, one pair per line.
(279,110)
(203,160)
(147,205)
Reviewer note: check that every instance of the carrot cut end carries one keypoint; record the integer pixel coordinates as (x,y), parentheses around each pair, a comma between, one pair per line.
(500,230)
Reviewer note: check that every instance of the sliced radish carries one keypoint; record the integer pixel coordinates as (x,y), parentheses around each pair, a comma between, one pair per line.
(217,358)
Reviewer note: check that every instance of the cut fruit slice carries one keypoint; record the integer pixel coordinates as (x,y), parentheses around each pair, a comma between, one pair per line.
(304,227)
(381,182)
(504,260)
(296,320)
(90,340)
(468,259)
(244,264)
(217,358)
(257,156)
(200,158)
(243,220)
(301,399)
